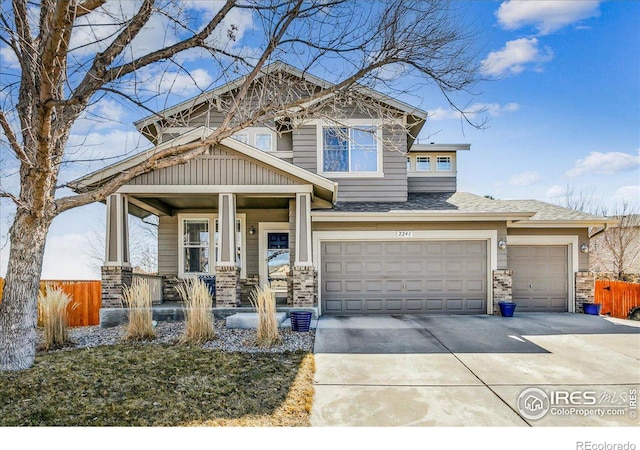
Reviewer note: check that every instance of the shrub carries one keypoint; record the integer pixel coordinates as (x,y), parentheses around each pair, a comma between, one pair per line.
(137,298)
(52,308)
(198,316)
(264,301)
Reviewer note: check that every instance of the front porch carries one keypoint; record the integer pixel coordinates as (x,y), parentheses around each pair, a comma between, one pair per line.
(235,241)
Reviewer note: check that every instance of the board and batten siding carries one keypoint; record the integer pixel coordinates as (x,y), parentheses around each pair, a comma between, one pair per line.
(432,184)
(222,167)
(392,187)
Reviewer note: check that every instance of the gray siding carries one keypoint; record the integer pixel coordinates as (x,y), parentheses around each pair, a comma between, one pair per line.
(432,184)
(393,187)
(222,167)
(168,245)
(254,216)
(582,233)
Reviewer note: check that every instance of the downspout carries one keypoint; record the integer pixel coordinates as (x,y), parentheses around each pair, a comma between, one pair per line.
(606,226)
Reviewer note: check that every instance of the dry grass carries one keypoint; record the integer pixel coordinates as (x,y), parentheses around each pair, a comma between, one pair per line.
(264,301)
(52,309)
(159,385)
(198,315)
(137,298)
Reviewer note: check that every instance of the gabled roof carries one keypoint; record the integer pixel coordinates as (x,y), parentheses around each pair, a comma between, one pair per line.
(419,114)
(201,133)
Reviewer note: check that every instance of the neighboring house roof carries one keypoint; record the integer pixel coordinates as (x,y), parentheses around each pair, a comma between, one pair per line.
(326,188)
(464,206)
(419,116)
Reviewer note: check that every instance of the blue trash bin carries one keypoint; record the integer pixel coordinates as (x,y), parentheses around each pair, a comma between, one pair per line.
(592,308)
(507,308)
(300,320)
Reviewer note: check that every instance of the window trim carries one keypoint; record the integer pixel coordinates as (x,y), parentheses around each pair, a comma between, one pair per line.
(253,132)
(352,123)
(211,217)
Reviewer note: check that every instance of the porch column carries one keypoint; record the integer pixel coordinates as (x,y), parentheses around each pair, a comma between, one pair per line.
(227,270)
(116,272)
(303,273)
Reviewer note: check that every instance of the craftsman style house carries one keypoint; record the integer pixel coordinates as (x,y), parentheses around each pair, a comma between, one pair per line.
(355,218)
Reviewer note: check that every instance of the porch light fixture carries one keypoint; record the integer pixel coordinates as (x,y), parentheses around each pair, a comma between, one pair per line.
(584,248)
(502,244)
(252,230)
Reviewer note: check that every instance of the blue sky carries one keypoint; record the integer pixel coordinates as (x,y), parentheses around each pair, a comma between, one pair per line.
(561,95)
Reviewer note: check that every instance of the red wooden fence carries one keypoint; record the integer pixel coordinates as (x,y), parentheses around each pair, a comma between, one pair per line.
(617,297)
(86,294)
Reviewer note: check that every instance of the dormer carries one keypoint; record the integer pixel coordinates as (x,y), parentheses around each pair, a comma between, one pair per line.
(433,167)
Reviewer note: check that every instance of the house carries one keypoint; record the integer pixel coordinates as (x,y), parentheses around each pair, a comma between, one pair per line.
(351,219)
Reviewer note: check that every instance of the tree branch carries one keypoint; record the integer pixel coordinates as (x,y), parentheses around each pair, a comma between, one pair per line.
(15,145)
(86,7)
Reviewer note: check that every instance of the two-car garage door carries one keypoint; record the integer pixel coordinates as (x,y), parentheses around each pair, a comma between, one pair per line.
(387,277)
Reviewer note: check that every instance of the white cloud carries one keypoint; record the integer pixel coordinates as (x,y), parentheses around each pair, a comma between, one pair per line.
(515,57)
(630,194)
(66,258)
(8,58)
(492,109)
(604,163)
(556,191)
(525,179)
(546,16)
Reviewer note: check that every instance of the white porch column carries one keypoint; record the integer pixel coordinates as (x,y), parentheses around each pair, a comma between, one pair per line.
(303,231)
(303,273)
(227,270)
(117,233)
(227,229)
(116,272)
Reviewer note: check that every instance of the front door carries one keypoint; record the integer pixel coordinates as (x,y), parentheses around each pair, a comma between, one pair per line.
(277,260)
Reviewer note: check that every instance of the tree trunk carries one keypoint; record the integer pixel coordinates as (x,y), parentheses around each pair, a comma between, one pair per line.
(18,310)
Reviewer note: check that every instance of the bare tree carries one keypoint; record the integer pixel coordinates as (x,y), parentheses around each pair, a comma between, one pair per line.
(73,54)
(616,249)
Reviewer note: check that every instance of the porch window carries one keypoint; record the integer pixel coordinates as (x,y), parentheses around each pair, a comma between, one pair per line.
(423,164)
(350,150)
(196,245)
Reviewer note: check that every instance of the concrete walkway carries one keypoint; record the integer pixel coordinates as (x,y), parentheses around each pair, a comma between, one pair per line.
(470,370)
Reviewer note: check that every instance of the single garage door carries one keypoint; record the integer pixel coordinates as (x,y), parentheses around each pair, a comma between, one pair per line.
(539,277)
(389,277)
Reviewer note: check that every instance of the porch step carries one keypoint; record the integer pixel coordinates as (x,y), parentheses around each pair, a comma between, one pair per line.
(250,320)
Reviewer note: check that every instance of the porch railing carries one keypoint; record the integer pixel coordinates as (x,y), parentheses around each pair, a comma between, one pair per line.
(155,286)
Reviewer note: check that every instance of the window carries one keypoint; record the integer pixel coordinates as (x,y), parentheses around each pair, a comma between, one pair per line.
(195,242)
(350,150)
(423,163)
(444,164)
(244,138)
(199,244)
(263,142)
(261,138)
(408,164)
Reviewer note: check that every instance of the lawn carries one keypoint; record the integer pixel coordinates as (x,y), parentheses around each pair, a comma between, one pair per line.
(159,385)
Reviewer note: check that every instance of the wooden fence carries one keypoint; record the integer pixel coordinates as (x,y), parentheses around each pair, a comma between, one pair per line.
(617,297)
(86,294)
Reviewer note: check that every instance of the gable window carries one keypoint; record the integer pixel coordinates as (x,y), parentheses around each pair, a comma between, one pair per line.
(443,163)
(350,150)
(261,138)
(423,164)
(199,243)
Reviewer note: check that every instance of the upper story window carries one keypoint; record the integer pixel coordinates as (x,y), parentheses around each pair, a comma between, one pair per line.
(261,138)
(443,164)
(423,163)
(353,150)
(408,164)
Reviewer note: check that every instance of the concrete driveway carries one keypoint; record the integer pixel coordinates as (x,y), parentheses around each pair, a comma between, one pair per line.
(471,371)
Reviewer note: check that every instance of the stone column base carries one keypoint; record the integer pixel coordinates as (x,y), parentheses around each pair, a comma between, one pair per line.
(305,281)
(585,287)
(502,288)
(114,279)
(228,289)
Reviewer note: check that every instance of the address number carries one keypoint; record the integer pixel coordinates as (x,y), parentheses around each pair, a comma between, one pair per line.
(404,234)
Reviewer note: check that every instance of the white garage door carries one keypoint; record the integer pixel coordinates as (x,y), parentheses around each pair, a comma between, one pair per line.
(389,277)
